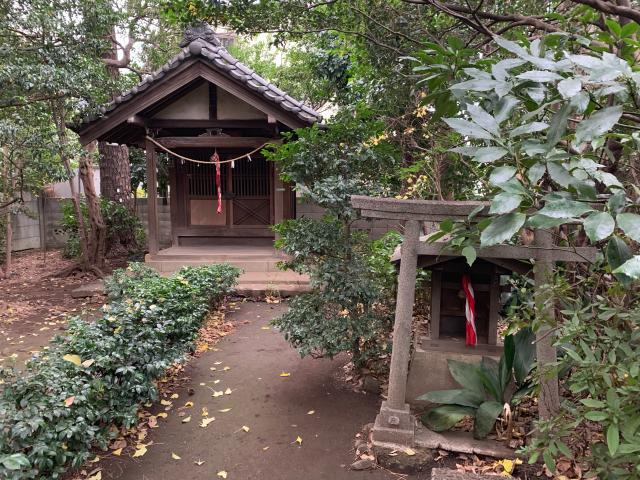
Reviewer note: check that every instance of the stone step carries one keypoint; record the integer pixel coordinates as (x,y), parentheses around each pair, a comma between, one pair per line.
(262,289)
(257,265)
(274,278)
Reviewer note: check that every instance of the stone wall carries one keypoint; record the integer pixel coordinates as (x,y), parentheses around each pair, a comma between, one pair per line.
(164,219)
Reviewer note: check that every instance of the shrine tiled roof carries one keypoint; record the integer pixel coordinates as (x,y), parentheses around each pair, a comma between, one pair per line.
(208,48)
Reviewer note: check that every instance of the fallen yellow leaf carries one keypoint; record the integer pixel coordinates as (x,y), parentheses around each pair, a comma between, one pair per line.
(152,421)
(224,410)
(175,395)
(222,474)
(265,328)
(227,391)
(265,448)
(226,368)
(97,476)
(285,374)
(217,363)
(410,452)
(213,369)
(245,428)
(117,452)
(299,440)
(186,419)
(199,462)
(88,363)
(69,401)
(140,451)
(215,382)
(165,402)
(217,393)
(311,412)
(175,456)
(206,421)
(205,412)
(162,415)
(75,359)
(188,404)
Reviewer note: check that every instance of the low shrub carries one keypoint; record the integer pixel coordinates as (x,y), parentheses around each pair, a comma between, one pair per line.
(75,394)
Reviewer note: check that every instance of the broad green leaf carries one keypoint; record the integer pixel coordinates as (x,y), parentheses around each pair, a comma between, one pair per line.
(558,126)
(528,128)
(489,154)
(630,268)
(15,461)
(599,225)
(549,461)
(618,253)
(468,129)
(466,398)
(535,172)
(504,107)
(500,175)
(598,124)
(444,417)
(559,174)
(505,365)
(569,87)
(616,202)
(502,228)
(613,439)
(540,76)
(565,209)
(486,417)
(514,186)
(630,225)
(505,203)
(609,179)
(476,85)
(470,254)
(512,47)
(587,61)
(542,221)
(592,403)
(466,374)
(482,118)
(525,354)
(489,375)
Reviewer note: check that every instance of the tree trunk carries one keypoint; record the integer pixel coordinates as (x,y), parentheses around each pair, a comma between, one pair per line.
(115,174)
(97,236)
(58,113)
(9,185)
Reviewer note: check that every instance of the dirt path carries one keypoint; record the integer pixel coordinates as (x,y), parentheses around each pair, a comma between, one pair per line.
(275,408)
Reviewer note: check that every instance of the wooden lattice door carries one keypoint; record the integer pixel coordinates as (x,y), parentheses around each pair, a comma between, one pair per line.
(251,192)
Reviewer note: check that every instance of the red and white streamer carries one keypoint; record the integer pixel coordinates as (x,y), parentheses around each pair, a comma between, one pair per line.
(215,158)
(470,311)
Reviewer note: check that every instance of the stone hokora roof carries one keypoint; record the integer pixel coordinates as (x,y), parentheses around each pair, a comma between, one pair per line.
(201,42)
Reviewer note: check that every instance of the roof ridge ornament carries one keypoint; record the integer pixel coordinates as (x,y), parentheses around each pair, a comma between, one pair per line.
(200,31)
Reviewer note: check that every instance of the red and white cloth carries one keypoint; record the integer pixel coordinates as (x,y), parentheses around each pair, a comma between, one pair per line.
(469,311)
(215,158)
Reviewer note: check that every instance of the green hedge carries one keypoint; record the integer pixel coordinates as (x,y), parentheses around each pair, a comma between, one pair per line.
(74,392)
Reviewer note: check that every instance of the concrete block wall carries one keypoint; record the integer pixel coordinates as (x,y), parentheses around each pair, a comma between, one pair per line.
(376,227)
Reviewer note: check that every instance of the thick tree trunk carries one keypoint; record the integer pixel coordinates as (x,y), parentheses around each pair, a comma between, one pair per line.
(115,174)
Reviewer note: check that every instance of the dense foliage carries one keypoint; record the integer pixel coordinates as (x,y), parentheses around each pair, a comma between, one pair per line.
(75,392)
(125,232)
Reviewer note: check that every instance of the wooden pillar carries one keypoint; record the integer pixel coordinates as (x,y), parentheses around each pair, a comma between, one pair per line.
(278,196)
(549,401)
(436,302)
(494,307)
(152,198)
(394,424)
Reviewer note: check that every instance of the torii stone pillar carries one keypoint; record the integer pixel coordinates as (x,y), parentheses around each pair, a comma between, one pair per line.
(394,423)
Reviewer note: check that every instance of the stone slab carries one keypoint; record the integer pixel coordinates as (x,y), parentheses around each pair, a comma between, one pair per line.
(462,442)
(89,290)
(449,474)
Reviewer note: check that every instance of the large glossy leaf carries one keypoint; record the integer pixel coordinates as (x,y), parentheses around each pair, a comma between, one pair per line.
(466,374)
(504,107)
(525,354)
(468,129)
(529,128)
(490,377)
(618,253)
(464,397)
(565,209)
(560,175)
(569,87)
(444,417)
(599,225)
(502,228)
(539,76)
(542,221)
(630,268)
(482,118)
(630,225)
(500,175)
(505,365)
(598,124)
(504,203)
(486,417)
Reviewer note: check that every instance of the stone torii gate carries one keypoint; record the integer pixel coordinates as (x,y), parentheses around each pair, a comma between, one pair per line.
(395,424)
